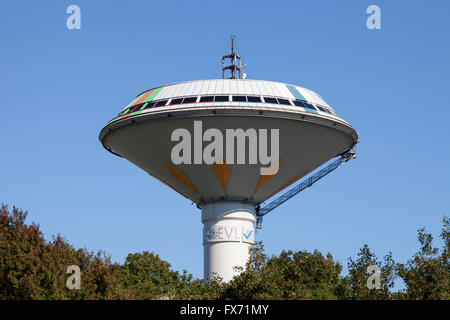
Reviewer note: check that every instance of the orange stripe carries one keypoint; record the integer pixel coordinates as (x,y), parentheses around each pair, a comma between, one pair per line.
(262,181)
(173,188)
(144,96)
(264,178)
(180,176)
(222,172)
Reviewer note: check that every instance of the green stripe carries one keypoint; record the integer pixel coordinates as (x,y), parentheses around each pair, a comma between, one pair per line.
(153,94)
(139,110)
(134,101)
(145,102)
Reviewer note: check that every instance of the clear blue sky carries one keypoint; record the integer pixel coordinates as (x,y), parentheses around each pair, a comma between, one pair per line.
(59,87)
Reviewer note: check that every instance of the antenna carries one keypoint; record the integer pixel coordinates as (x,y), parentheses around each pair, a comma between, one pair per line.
(233,67)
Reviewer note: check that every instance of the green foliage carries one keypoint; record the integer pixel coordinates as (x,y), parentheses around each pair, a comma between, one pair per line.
(427,273)
(292,275)
(149,276)
(31,268)
(359,276)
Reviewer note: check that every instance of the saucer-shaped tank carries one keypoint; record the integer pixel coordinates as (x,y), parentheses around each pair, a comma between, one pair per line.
(228,139)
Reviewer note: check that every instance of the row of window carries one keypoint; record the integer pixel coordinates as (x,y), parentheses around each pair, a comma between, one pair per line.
(187,100)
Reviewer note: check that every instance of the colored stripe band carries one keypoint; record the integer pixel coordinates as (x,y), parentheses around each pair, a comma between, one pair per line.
(153,94)
(144,96)
(295,93)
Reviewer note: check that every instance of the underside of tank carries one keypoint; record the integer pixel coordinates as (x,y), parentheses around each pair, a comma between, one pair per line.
(304,144)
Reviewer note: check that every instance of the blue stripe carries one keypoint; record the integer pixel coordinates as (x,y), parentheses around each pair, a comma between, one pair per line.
(298,96)
(295,93)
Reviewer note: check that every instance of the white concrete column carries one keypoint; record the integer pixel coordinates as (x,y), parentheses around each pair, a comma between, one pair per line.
(228,234)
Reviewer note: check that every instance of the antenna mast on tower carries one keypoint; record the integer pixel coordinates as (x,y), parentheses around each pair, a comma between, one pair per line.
(233,67)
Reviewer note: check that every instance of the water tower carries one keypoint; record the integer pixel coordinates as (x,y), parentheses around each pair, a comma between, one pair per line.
(228,145)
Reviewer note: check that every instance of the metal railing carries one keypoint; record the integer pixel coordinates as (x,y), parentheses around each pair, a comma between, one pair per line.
(345,156)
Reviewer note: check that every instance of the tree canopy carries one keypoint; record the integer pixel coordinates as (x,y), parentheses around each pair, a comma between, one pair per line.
(33,268)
